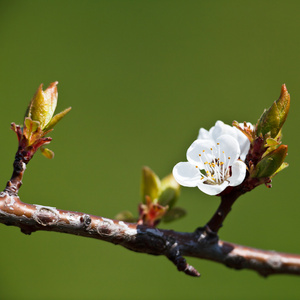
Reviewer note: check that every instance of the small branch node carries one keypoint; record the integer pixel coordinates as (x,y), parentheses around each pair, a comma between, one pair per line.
(206,236)
(86,221)
(174,256)
(104,228)
(46,215)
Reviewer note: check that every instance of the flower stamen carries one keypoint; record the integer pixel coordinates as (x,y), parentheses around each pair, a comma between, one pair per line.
(217,170)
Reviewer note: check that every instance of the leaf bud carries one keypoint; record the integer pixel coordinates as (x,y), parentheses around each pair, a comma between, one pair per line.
(271,163)
(272,120)
(150,185)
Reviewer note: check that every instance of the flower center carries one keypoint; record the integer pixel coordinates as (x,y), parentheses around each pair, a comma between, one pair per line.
(216,166)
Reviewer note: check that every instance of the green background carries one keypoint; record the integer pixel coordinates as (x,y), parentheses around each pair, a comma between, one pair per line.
(142,77)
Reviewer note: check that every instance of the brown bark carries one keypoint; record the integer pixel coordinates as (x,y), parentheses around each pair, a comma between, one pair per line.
(203,243)
(174,245)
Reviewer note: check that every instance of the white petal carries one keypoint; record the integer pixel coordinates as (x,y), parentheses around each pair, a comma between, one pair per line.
(230,146)
(244,149)
(243,142)
(197,148)
(186,174)
(203,134)
(213,189)
(220,128)
(238,171)
(211,130)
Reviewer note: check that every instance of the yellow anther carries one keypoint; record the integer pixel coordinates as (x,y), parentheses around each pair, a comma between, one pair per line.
(228,157)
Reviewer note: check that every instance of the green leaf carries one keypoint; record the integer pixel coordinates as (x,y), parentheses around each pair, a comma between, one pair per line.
(174,214)
(271,142)
(282,167)
(169,191)
(47,152)
(31,125)
(150,185)
(269,164)
(57,118)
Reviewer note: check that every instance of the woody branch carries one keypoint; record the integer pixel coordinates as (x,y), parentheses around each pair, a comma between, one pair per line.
(140,238)
(229,180)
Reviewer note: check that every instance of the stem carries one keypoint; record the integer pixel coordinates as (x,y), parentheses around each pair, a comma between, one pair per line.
(216,222)
(14,184)
(228,197)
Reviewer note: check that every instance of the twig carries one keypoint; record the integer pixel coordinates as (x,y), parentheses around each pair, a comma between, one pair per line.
(203,243)
(231,194)
(174,245)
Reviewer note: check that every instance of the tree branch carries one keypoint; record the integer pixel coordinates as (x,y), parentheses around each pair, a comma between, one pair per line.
(174,245)
(203,243)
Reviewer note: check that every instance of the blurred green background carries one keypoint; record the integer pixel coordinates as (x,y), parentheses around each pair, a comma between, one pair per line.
(142,77)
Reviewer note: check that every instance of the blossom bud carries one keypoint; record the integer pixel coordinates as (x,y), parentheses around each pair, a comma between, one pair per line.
(272,120)
(271,163)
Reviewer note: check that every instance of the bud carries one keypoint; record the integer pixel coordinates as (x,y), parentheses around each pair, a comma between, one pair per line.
(271,164)
(150,185)
(43,104)
(272,120)
(169,191)
(38,121)
(42,107)
(151,213)
(158,199)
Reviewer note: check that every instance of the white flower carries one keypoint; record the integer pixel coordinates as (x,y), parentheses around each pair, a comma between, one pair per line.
(214,160)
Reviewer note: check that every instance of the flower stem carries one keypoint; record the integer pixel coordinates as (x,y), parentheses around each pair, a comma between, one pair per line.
(228,198)
(216,222)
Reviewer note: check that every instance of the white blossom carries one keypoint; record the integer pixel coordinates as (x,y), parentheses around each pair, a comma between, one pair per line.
(214,160)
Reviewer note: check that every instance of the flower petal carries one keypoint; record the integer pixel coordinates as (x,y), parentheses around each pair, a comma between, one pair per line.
(238,171)
(213,189)
(197,148)
(230,146)
(243,140)
(220,128)
(186,174)
(203,134)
